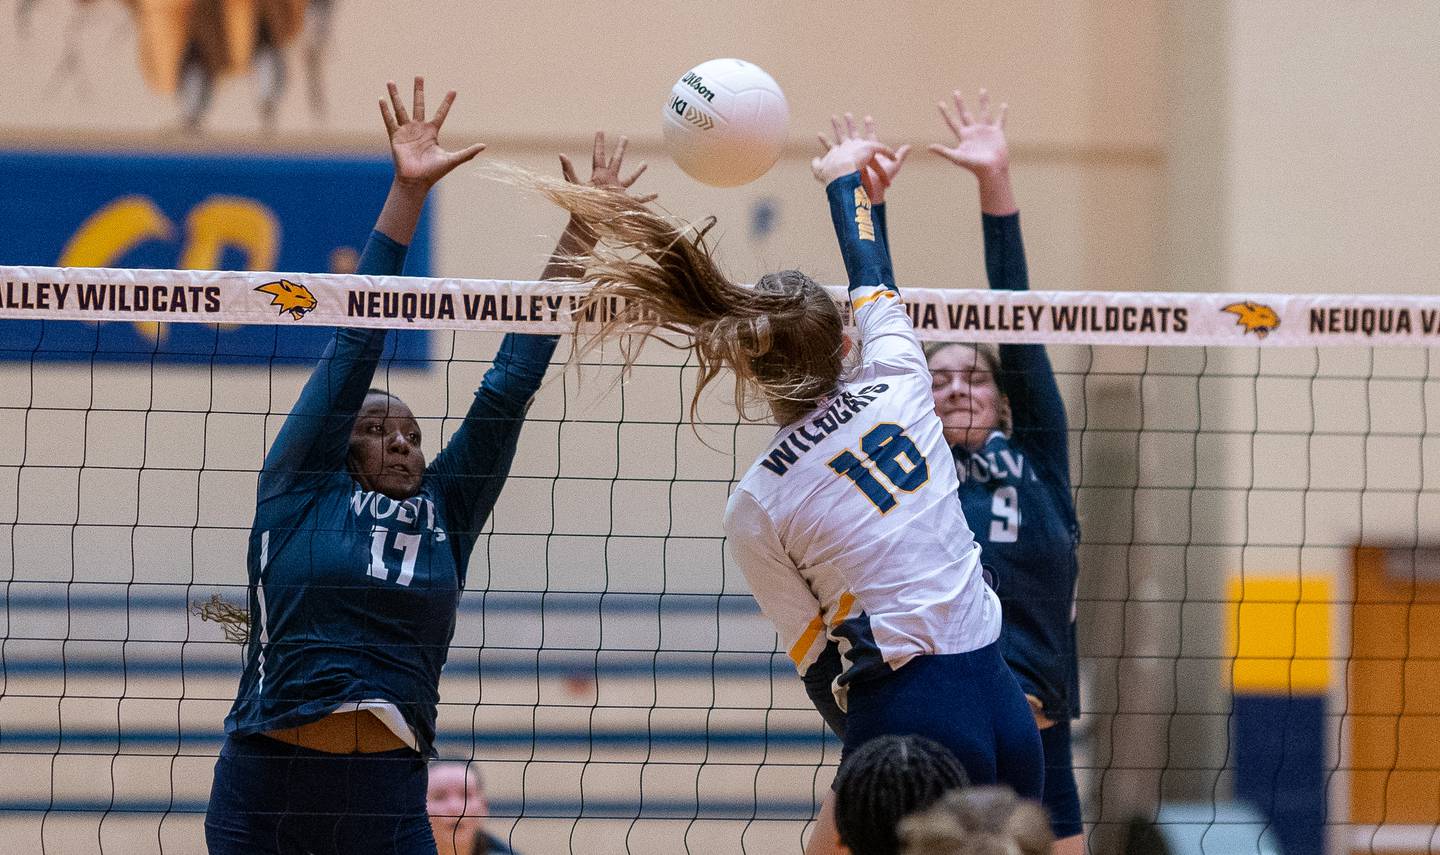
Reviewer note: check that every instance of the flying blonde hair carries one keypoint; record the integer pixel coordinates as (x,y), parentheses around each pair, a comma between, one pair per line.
(783,339)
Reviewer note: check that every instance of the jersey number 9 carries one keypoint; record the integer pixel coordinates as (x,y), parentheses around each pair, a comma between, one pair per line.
(894,456)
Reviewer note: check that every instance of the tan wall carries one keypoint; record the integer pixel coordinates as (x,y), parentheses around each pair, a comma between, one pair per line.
(1333,171)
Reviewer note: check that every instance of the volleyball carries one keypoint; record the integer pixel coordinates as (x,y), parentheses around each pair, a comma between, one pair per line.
(725,122)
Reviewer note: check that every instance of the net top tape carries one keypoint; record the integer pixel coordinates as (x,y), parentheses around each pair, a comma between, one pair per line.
(401,302)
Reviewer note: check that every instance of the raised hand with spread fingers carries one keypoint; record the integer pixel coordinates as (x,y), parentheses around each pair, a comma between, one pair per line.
(415,142)
(980,147)
(420,162)
(850,151)
(605,174)
(876,176)
(605,169)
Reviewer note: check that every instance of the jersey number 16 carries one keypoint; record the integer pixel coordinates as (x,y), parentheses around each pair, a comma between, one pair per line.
(892,454)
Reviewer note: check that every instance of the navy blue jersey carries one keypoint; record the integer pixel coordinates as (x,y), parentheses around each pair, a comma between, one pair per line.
(1016,495)
(353,594)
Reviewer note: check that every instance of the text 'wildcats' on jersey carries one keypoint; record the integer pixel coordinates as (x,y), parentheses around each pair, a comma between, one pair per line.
(848,528)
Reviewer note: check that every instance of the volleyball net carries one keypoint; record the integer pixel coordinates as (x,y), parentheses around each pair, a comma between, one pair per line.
(1255,477)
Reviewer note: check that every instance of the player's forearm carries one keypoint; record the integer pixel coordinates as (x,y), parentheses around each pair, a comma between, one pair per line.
(402,210)
(997,195)
(1028,380)
(575,241)
(854,222)
(347,367)
(522,359)
(315,435)
(1005,266)
(382,256)
(519,367)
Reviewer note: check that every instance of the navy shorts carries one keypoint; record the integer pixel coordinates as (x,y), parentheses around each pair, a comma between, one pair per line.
(968,702)
(1062,798)
(271,797)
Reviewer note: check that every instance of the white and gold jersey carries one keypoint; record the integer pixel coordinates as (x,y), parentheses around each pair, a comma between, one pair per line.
(848,527)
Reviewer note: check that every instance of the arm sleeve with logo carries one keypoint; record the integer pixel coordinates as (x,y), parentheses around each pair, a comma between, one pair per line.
(1027,378)
(887,338)
(473,467)
(854,220)
(783,594)
(314,441)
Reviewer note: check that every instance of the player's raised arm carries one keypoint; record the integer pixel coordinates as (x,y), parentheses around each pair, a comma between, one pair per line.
(876,177)
(839,170)
(315,439)
(1027,378)
(473,467)
(847,168)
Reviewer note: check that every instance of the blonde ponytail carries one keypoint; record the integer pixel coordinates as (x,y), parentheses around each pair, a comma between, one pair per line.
(651,274)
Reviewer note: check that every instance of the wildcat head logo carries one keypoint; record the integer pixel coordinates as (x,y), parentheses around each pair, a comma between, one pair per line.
(290,297)
(1254,317)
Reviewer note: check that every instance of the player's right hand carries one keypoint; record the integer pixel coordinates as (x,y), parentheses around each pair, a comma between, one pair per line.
(415,142)
(849,152)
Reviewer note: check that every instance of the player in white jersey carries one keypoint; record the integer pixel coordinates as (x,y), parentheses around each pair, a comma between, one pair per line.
(846,532)
(846,525)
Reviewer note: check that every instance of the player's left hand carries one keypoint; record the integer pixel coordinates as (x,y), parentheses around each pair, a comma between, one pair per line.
(415,142)
(849,152)
(605,170)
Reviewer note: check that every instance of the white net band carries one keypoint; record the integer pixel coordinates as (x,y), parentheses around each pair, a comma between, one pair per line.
(398,302)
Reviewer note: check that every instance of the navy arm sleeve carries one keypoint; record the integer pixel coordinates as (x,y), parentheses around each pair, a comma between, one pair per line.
(315,439)
(867,263)
(819,683)
(1027,378)
(472,469)
(882,234)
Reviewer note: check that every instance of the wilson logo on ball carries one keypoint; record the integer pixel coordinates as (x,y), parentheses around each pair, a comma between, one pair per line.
(696,82)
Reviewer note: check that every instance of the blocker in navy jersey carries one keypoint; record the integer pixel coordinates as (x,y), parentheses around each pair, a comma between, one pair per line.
(353,594)
(1016,494)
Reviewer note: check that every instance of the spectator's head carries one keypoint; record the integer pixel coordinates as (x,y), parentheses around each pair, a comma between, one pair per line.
(455,800)
(885,780)
(978,821)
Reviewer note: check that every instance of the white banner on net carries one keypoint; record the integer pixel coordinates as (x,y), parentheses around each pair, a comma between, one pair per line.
(401,302)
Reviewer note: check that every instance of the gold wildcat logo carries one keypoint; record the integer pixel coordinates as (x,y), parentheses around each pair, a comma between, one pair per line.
(1254,317)
(290,297)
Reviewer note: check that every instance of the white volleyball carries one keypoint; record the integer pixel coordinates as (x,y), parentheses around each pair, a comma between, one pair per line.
(725,122)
